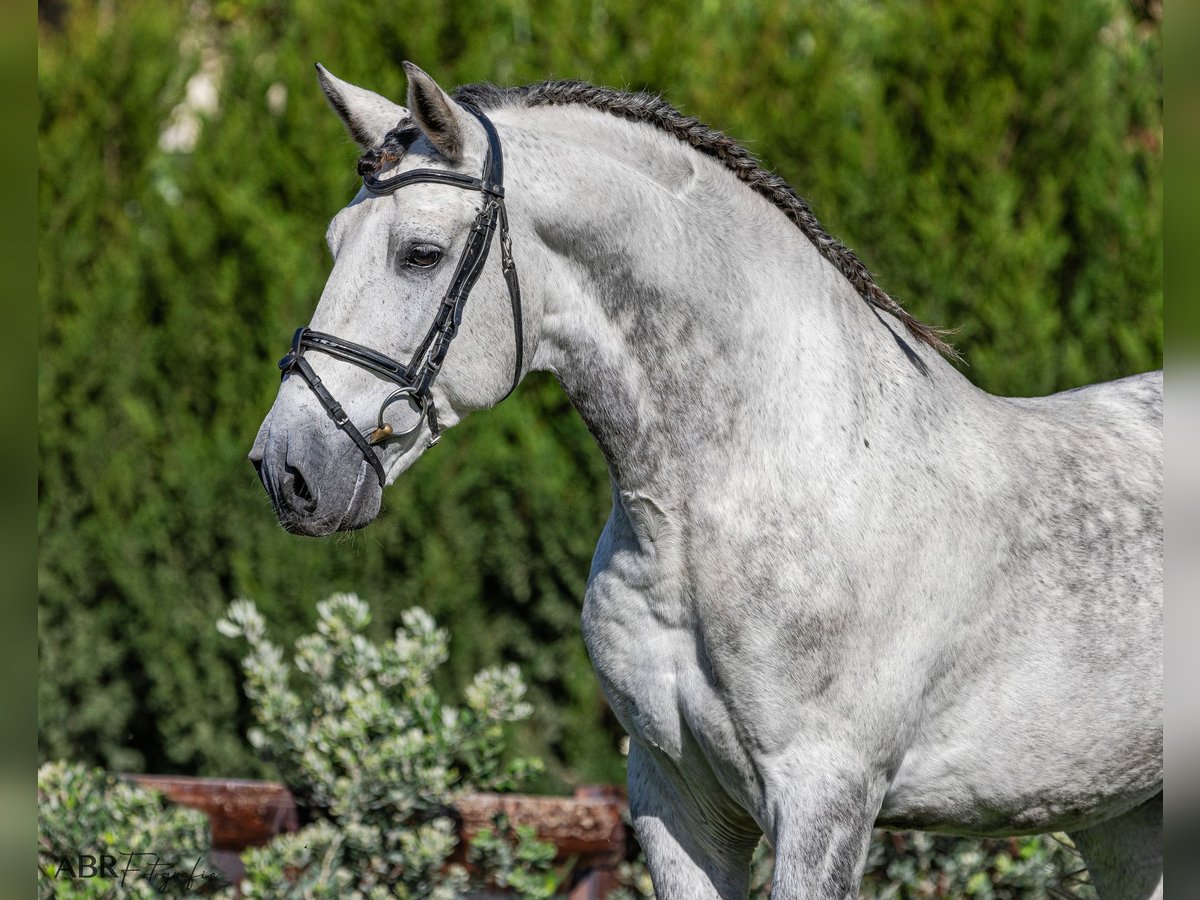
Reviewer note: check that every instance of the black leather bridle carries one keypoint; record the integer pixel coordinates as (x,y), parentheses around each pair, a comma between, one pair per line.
(415,380)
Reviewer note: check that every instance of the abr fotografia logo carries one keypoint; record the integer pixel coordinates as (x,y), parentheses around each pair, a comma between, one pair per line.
(163,873)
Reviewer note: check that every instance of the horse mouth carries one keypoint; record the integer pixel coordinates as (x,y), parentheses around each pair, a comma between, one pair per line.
(317,527)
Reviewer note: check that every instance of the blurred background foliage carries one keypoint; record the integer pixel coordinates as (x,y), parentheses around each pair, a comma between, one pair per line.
(997,163)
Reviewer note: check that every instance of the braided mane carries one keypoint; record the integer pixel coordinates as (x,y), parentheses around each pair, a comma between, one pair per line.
(653,110)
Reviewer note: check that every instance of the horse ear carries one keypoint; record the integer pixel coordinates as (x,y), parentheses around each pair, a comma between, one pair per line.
(367,116)
(442,120)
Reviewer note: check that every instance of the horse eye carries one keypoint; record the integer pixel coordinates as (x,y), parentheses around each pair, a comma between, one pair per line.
(423,256)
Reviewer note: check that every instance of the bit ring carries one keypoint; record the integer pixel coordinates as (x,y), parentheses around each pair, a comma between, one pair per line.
(383,430)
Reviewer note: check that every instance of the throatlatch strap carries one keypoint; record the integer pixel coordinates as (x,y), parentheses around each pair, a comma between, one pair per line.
(514,296)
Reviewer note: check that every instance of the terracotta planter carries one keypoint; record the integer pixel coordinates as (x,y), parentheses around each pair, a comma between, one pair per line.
(588,829)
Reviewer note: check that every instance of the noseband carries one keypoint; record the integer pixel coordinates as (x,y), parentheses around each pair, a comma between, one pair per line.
(415,380)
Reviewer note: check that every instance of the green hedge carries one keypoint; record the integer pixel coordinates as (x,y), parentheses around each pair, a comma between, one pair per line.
(996,163)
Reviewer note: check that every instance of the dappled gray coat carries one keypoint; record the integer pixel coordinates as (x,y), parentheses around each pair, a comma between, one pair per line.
(840,585)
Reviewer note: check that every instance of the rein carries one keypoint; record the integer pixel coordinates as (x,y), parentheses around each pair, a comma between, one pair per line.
(414,381)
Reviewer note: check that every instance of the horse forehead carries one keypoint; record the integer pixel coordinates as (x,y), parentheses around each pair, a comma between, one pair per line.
(412,208)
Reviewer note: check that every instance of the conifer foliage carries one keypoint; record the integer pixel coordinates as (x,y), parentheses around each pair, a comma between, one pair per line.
(997,164)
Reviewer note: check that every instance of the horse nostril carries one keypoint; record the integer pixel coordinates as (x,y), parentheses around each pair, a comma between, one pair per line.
(301,489)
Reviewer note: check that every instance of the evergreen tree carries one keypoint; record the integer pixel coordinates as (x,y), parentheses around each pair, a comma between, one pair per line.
(997,164)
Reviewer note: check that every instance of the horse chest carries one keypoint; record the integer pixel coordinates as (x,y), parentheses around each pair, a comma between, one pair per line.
(640,660)
(640,636)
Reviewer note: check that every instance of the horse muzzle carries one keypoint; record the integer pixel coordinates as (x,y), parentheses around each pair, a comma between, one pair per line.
(316,493)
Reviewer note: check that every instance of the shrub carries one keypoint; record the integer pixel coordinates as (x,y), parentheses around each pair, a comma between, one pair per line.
(996,163)
(916,865)
(85,815)
(367,744)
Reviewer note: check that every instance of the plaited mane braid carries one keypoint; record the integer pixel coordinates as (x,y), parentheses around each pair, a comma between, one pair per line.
(653,110)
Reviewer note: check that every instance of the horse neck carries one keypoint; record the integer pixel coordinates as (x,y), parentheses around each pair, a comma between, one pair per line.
(691,323)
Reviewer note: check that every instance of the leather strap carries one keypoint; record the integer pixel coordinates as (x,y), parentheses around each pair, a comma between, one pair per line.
(297,363)
(514,295)
(383,186)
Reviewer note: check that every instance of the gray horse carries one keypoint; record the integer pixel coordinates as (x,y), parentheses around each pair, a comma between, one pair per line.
(840,585)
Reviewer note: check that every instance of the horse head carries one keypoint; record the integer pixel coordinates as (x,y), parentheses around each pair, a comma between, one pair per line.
(371,381)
